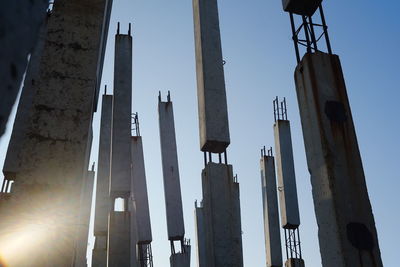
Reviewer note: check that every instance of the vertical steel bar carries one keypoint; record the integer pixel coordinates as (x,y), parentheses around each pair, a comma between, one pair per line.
(305,26)
(328,43)
(294,37)
(314,40)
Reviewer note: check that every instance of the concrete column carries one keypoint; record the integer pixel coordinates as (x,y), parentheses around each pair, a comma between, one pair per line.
(200,236)
(119,249)
(122,111)
(102,207)
(221,213)
(272,233)
(172,187)
(181,259)
(20,25)
(347,233)
(211,95)
(84,220)
(12,160)
(139,188)
(46,192)
(290,217)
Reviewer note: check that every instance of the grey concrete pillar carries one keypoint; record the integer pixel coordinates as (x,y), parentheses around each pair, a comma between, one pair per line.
(49,178)
(273,245)
(122,112)
(200,236)
(211,95)
(347,233)
(119,249)
(102,207)
(12,160)
(289,206)
(84,220)
(221,212)
(172,187)
(20,25)
(139,188)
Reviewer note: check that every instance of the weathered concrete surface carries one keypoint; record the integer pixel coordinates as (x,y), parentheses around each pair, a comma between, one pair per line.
(119,247)
(172,186)
(273,245)
(301,7)
(139,188)
(20,23)
(289,205)
(294,263)
(222,223)
(347,233)
(211,94)
(200,236)
(122,110)
(102,207)
(46,191)
(181,259)
(84,221)
(12,160)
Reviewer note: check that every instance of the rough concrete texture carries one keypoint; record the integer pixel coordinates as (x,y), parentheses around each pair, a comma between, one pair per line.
(289,206)
(20,23)
(12,160)
(84,221)
(211,94)
(301,7)
(99,255)
(122,112)
(46,191)
(294,263)
(222,222)
(181,259)
(139,188)
(119,247)
(347,233)
(102,206)
(273,245)
(172,186)
(200,237)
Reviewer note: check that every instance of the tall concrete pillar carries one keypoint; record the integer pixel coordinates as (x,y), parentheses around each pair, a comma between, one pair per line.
(12,160)
(102,207)
(84,220)
(20,26)
(141,233)
(122,112)
(119,246)
(221,211)
(211,95)
(47,188)
(290,217)
(347,233)
(273,245)
(172,186)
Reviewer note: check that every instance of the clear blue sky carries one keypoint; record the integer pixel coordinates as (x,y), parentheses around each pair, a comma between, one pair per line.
(256,41)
